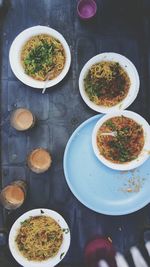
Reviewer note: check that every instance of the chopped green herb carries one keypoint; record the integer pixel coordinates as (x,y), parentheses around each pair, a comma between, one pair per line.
(66,231)
(24,222)
(39,57)
(62,254)
(110,124)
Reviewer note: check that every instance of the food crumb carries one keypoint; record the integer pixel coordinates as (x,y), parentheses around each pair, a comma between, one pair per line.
(133,185)
(120,229)
(129,190)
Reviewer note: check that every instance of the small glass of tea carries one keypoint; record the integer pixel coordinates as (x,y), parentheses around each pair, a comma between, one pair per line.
(13,195)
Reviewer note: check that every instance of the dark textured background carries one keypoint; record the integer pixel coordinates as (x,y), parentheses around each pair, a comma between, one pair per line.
(120,26)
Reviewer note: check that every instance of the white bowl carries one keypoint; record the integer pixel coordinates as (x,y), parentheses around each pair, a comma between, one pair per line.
(15,53)
(51,262)
(143,156)
(127,65)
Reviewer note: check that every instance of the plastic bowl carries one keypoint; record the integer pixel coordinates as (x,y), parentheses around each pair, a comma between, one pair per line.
(86,9)
(51,262)
(143,156)
(127,65)
(15,52)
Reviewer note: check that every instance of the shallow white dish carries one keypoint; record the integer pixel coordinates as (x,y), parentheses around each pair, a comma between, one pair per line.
(51,262)
(15,52)
(127,65)
(143,156)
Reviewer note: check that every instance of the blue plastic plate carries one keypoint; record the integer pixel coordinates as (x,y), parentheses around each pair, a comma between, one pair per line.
(96,186)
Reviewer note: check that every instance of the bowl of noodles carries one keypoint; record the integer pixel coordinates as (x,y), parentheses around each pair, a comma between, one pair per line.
(109,82)
(121,140)
(39,238)
(40,54)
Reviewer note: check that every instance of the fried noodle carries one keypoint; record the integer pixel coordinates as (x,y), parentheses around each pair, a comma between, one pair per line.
(43,56)
(39,238)
(106,83)
(126,145)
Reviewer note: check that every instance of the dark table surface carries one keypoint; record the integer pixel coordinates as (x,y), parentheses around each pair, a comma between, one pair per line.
(120,26)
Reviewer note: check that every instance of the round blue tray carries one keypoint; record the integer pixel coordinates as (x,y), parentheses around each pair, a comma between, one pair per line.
(96,186)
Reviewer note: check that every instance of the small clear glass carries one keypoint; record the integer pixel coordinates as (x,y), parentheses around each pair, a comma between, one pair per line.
(22,119)
(39,160)
(13,195)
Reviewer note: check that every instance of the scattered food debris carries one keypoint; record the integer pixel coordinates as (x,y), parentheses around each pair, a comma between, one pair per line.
(129,190)
(134,184)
